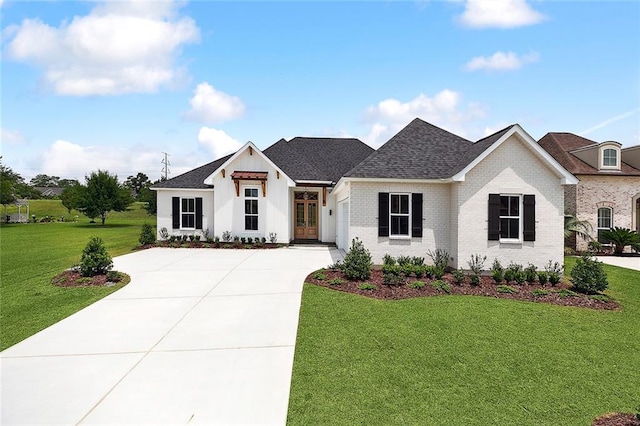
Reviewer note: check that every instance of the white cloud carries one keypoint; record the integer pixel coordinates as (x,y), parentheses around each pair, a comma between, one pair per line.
(12,137)
(501,61)
(70,160)
(209,105)
(217,142)
(443,110)
(120,47)
(499,14)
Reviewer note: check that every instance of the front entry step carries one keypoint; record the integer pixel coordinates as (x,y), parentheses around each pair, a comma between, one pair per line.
(311,243)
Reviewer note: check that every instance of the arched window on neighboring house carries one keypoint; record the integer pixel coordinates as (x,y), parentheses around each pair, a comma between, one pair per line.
(605,221)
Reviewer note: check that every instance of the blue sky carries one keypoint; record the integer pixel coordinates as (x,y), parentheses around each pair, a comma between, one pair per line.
(88,85)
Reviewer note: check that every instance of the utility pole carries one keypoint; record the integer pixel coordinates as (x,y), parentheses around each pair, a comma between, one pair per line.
(165,166)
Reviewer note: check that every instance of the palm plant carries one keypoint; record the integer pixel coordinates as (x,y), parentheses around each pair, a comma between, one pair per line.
(620,238)
(574,226)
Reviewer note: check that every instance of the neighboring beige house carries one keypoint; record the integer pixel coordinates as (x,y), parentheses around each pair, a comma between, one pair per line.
(608,192)
(424,189)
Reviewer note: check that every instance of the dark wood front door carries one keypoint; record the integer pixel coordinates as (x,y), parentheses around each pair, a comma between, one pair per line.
(305,210)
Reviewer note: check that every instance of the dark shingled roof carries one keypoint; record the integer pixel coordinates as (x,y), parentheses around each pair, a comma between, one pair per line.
(324,159)
(422,151)
(195,178)
(559,145)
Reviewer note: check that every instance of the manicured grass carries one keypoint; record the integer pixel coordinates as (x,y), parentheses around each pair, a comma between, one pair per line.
(32,254)
(464,359)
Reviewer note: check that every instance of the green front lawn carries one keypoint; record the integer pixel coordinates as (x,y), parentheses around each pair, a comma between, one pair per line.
(32,254)
(465,359)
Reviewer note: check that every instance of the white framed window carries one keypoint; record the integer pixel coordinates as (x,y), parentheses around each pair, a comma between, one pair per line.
(251,209)
(610,158)
(605,221)
(399,215)
(510,217)
(188,213)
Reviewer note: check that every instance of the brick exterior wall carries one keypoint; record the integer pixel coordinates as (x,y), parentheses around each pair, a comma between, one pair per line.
(363,212)
(455,214)
(513,168)
(617,192)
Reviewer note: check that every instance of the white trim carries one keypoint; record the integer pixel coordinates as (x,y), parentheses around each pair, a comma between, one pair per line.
(566,178)
(209,179)
(614,148)
(244,213)
(407,215)
(188,228)
(520,220)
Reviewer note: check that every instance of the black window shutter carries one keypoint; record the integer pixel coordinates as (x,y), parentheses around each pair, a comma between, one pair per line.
(199,213)
(416,215)
(175,212)
(529,218)
(494,217)
(383,214)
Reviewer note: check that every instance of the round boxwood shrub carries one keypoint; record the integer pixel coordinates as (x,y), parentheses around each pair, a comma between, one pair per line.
(588,276)
(95,260)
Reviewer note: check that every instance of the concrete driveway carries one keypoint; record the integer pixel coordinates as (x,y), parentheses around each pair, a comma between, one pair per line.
(623,262)
(199,336)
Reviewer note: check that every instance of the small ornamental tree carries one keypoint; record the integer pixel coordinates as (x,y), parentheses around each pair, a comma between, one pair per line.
(95,259)
(357,262)
(588,276)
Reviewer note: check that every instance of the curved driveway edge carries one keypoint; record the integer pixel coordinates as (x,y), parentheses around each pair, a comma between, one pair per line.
(199,336)
(628,262)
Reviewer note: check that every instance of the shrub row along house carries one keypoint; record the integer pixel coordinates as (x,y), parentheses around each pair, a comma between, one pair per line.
(608,192)
(501,196)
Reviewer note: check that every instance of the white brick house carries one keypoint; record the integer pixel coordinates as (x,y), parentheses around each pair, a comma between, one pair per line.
(502,196)
(608,191)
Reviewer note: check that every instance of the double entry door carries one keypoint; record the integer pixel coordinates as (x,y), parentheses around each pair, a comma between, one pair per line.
(305,208)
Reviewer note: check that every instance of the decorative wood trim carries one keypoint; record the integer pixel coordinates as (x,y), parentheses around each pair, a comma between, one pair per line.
(223,173)
(237,184)
(278,174)
(250,150)
(263,183)
(324,196)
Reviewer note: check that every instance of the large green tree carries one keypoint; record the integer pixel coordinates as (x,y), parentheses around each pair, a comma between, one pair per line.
(45,180)
(9,180)
(104,194)
(72,197)
(137,184)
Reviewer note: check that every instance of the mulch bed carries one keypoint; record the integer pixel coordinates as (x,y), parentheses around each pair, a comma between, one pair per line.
(72,278)
(487,287)
(204,244)
(617,419)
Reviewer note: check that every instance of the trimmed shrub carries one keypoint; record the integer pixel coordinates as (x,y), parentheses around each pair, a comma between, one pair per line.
(543,277)
(506,289)
(497,271)
(357,262)
(393,279)
(95,260)
(588,276)
(336,281)
(554,271)
(404,260)
(147,235)
(530,273)
(388,260)
(539,292)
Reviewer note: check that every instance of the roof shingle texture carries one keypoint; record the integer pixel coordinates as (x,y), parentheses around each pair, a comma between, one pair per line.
(560,145)
(322,159)
(319,159)
(422,151)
